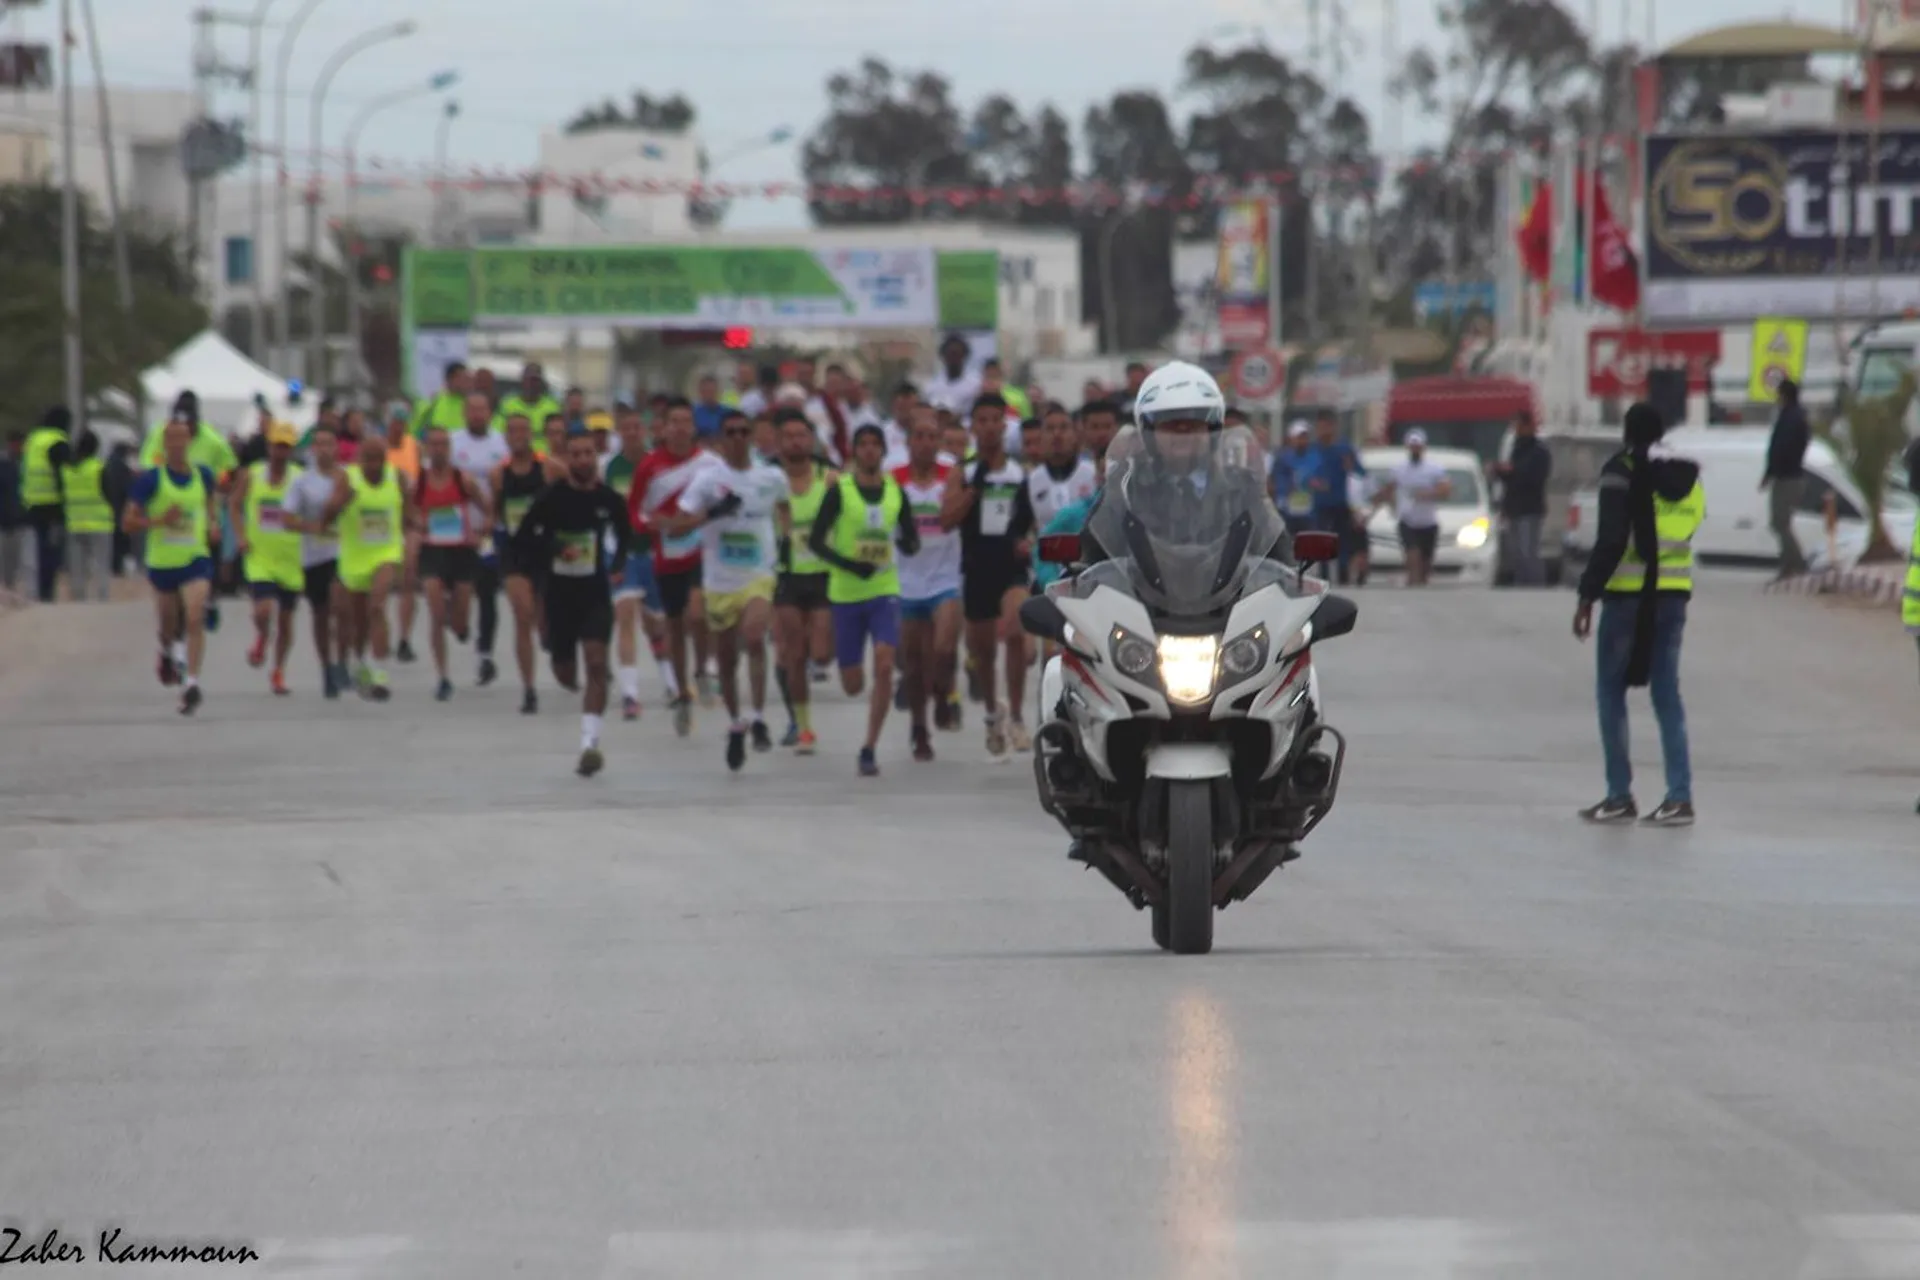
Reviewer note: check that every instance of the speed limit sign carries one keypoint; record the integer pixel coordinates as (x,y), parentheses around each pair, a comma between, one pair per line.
(1259,374)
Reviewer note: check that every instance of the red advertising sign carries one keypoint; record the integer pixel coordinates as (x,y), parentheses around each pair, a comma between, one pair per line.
(1243,325)
(1618,359)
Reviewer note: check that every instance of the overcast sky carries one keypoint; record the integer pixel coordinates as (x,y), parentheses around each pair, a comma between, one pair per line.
(751,66)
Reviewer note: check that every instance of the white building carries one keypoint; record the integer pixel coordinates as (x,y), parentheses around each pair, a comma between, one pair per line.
(147,125)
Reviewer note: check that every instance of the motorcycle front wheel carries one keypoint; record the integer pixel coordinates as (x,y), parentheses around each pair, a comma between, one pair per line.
(1183,919)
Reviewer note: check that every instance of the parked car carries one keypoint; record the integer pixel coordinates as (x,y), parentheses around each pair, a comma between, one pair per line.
(1467,548)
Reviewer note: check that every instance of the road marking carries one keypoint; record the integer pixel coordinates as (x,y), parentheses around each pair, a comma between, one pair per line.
(1374,1249)
(774,1255)
(1863,1247)
(329,1258)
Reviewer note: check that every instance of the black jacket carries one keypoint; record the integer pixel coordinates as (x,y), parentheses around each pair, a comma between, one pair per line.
(1523,491)
(1787,450)
(1621,524)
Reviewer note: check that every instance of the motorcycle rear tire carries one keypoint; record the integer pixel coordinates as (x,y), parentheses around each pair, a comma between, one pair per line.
(1188,906)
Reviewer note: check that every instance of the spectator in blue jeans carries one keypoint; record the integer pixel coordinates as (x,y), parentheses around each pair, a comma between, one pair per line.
(1523,479)
(1332,506)
(1641,576)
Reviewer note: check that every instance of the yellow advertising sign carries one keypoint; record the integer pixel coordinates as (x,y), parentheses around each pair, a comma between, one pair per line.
(1244,240)
(1779,352)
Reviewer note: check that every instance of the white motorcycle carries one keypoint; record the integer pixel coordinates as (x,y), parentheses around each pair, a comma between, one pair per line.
(1186,751)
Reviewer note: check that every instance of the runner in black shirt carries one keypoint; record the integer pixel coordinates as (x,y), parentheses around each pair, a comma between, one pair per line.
(578,534)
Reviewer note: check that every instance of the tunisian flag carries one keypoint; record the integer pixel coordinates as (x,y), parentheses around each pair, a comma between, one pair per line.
(1616,271)
(1534,236)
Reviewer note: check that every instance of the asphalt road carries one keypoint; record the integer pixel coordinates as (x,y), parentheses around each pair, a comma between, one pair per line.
(391,995)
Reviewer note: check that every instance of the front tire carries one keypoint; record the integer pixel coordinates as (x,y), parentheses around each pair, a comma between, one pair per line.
(1189,902)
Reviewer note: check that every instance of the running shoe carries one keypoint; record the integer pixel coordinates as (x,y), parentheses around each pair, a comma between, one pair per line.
(167,670)
(1614,809)
(996,734)
(683,715)
(443,692)
(488,672)
(792,736)
(213,616)
(1021,739)
(869,767)
(818,672)
(278,683)
(190,700)
(363,680)
(378,689)
(807,743)
(257,655)
(591,762)
(1671,813)
(329,686)
(342,679)
(529,703)
(629,708)
(736,749)
(922,744)
(762,740)
(405,652)
(709,689)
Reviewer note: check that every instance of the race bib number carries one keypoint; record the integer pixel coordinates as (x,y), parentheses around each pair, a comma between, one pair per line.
(740,550)
(681,546)
(874,548)
(446,524)
(183,536)
(516,509)
(926,517)
(1299,502)
(376,528)
(573,555)
(996,510)
(272,518)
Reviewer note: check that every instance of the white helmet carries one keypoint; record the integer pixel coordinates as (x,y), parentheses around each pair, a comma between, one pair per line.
(1179,392)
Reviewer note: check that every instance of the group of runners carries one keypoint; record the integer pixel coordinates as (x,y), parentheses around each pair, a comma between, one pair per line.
(753,544)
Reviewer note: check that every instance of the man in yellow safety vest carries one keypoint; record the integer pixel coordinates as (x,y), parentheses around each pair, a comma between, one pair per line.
(1910,589)
(48,452)
(1641,575)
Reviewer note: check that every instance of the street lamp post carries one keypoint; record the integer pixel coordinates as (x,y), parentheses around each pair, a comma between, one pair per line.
(442,217)
(446,79)
(256,331)
(70,230)
(283,242)
(316,282)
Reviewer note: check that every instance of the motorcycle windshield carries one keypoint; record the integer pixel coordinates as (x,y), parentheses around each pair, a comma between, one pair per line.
(1189,517)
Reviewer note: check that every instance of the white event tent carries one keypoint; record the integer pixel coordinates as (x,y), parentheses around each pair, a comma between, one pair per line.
(226,382)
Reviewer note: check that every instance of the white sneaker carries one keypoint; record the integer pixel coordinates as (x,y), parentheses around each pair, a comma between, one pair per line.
(997,734)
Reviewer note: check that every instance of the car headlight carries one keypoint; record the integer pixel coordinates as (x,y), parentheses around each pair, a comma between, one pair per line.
(1187,667)
(1132,656)
(1243,655)
(1474,534)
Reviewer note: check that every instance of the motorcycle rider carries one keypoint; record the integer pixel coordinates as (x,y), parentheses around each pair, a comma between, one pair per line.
(1179,416)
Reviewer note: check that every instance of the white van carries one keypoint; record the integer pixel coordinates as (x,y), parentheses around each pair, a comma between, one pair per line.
(1737,528)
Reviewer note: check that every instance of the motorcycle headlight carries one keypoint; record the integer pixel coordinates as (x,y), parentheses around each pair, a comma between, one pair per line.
(1187,667)
(1243,655)
(1474,534)
(1132,656)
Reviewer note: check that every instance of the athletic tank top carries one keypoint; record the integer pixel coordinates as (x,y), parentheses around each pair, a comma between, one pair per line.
(517,493)
(444,504)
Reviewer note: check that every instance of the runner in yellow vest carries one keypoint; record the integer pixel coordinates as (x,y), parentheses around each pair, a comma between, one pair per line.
(532,398)
(803,622)
(89,523)
(269,549)
(369,508)
(174,506)
(446,407)
(861,521)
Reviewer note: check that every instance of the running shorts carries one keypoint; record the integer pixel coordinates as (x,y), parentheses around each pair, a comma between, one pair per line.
(639,582)
(320,580)
(676,591)
(984,588)
(453,566)
(855,624)
(260,590)
(1421,540)
(725,609)
(806,592)
(516,566)
(362,583)
(171,580)
(924,610)
(576,616)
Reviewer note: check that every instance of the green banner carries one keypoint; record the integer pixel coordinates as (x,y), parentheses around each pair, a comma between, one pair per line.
(969,289)
(698,286)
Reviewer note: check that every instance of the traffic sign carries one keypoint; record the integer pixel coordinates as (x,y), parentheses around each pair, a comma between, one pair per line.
(1259,374)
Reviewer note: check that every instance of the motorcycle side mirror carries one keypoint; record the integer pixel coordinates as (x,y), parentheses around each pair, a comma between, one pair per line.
(1335,616)
(1316,548)
(1060,548)
(1041,616)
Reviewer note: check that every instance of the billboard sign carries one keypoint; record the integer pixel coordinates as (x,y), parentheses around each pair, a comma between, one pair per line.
(1618,360)
(1242,275)
(1440,298)
(1748,225)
